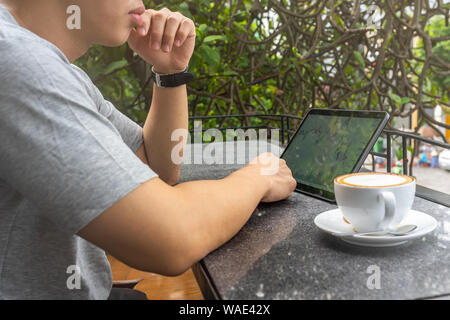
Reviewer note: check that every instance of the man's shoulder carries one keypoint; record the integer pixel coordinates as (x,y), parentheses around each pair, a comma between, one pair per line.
(28,60)
(19,46)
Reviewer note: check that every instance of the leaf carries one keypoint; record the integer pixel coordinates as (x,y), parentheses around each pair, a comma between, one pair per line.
(240,27)
(202,28)
(339,20)
(214,38)
(271,89)
(348,69)
(114,66)
(230,73)
(389,63)
(295,52)
(318,69)
(211,56)
(359,58)
(404,100)
(399,153)
(397,99)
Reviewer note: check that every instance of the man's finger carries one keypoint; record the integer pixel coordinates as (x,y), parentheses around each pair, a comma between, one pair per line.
(145,26)
(157,26)
(172,25)
(187,29)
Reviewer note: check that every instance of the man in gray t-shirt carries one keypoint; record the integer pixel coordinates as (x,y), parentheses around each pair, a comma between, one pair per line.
(77,177)
(54,124)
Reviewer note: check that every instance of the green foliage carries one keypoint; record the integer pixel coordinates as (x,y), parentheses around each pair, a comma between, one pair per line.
(435,83)
(241,68)
(437,28)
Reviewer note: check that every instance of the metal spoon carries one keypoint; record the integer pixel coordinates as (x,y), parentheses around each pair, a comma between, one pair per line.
(400,231)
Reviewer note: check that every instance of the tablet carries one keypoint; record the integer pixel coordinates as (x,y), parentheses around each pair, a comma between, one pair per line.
(329,143)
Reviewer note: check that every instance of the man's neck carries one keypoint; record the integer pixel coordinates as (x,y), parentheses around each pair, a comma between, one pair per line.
(47,19)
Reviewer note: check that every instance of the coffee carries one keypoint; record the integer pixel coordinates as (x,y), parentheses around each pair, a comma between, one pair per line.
(374,179)
(373,201)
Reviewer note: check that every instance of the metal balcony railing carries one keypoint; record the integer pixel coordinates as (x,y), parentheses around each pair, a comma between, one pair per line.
(286,133)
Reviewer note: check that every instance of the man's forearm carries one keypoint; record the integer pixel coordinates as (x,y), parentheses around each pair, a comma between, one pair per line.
(168,112)
(215,210)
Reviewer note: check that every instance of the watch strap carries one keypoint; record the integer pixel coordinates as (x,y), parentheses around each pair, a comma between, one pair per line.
(172,80)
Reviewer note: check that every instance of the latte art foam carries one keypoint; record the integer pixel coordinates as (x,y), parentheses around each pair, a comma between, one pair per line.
(374,179)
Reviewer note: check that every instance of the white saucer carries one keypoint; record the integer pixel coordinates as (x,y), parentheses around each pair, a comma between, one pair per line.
(332,222)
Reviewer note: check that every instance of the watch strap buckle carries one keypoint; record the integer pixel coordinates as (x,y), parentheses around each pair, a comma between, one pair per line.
(157,79)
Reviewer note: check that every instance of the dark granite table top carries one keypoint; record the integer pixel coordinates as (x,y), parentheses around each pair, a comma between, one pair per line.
(281,254)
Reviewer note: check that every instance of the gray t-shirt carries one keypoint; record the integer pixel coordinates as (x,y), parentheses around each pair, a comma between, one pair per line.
(66,155)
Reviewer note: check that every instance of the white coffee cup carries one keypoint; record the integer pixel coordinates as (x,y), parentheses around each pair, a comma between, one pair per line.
(373,201)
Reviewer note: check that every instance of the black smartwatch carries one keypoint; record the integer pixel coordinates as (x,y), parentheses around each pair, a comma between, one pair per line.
(172,80)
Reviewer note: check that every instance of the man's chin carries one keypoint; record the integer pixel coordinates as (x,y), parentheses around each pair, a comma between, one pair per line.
(117,40)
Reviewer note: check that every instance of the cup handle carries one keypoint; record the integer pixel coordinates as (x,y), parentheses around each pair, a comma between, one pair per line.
(389,208)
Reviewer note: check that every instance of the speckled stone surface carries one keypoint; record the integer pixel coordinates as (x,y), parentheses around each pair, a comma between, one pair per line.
(281,254)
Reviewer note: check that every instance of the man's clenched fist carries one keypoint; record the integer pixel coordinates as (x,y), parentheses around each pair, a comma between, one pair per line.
(164,39)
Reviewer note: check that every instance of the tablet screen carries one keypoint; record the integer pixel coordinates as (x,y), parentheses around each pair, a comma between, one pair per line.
(328,144)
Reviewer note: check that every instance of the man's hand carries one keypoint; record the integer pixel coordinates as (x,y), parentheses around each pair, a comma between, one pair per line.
(281,182)
(164,39)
